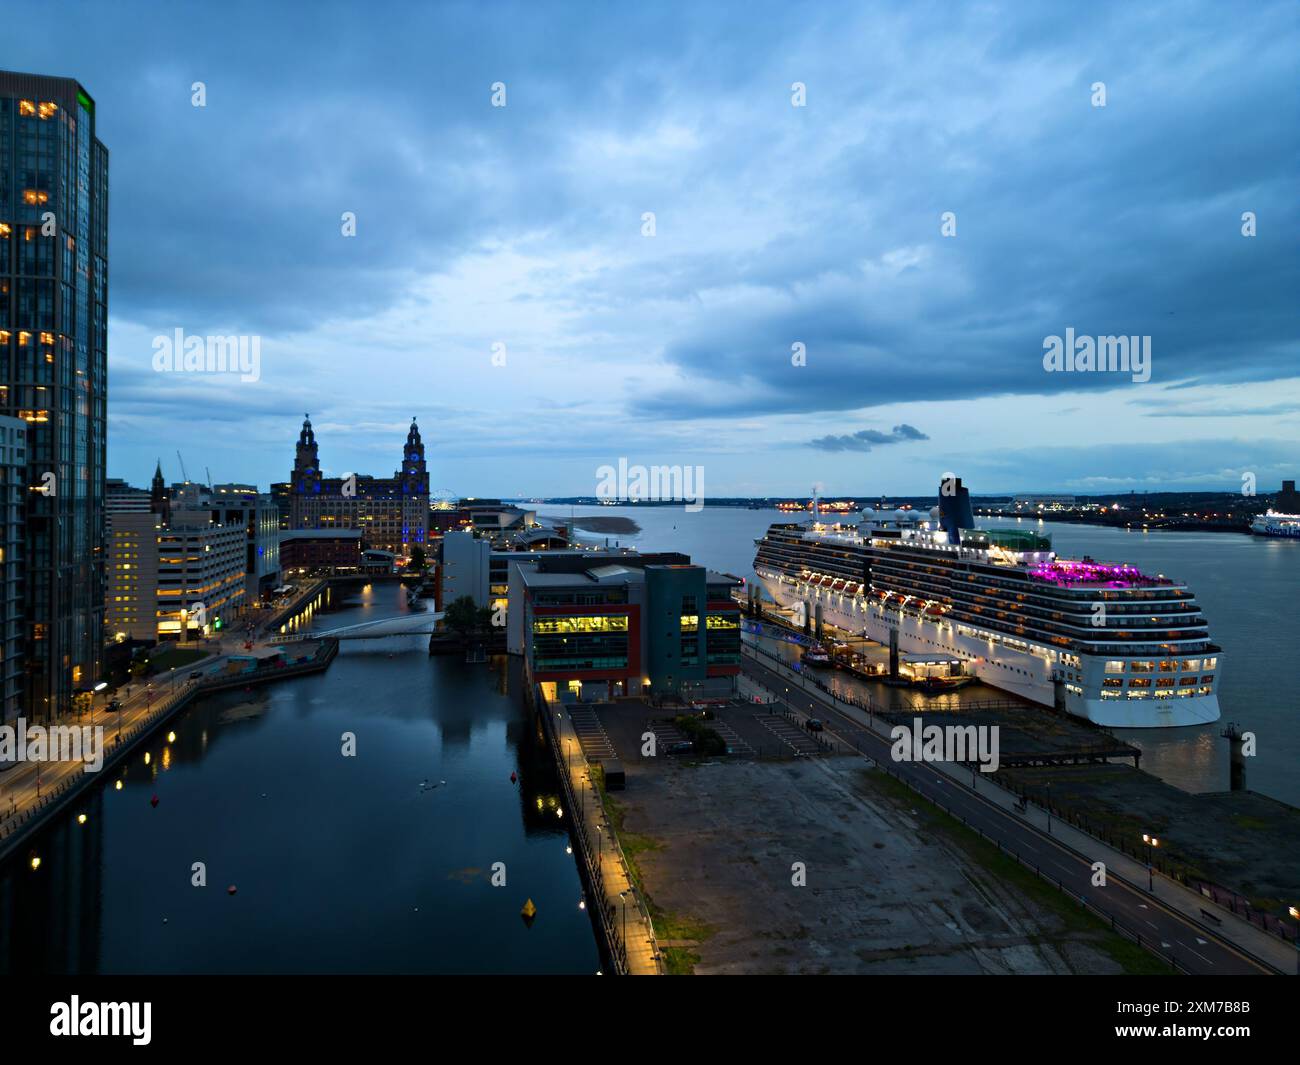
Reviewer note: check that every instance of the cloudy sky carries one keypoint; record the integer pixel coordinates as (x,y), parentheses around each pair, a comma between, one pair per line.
(798,314)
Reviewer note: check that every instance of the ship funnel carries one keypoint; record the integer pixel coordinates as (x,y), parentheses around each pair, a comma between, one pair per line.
(954,508)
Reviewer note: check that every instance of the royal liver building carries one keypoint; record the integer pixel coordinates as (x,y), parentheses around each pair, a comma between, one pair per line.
(392,513)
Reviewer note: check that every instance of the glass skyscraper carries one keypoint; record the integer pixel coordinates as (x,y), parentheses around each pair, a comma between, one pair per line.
(53,330)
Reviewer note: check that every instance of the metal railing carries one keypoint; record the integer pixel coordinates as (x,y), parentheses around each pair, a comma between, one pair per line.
(560,730)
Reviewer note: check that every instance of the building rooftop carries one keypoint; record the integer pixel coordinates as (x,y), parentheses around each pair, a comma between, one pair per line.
(320,534)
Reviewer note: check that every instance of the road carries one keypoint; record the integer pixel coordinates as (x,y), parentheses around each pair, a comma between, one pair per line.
(1194,949)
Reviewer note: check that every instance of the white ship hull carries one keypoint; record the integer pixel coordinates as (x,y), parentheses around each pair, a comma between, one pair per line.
(1288,530)
(1025,673)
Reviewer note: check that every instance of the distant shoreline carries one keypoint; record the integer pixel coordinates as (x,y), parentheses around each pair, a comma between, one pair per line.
(606,524)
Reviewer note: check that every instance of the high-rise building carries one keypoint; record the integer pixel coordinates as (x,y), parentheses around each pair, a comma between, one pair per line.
(13,503)
(53,326)
(392,513)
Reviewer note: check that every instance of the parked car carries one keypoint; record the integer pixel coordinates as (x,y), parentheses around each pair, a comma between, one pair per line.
(197,675)
(115,704)
(814,724)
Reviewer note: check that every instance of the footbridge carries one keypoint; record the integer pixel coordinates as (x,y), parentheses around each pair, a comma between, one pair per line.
(414,624)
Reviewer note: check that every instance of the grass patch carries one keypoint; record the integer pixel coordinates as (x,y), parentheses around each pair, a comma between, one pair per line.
(678,961)
(1079,923)
(668,926)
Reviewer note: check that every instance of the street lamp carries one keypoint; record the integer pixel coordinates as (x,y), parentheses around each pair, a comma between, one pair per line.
(98,688)
(1296,914)
(1152,843)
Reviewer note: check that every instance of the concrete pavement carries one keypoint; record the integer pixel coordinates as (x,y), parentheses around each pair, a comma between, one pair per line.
(1167,920)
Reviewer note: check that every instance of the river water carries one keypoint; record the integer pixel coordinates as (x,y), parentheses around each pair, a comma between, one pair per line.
(341,864)
(1246,585)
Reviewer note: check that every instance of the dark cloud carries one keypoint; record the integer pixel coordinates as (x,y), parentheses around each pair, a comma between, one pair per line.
(776,225)
(866,439)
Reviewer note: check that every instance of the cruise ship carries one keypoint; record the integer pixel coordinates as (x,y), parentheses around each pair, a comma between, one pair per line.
(1103,641)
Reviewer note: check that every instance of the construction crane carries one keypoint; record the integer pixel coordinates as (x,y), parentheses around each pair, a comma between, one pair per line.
(184,476)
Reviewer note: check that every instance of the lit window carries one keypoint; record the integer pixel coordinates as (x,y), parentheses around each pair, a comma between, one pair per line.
(27,107)
(35,196)
(47,108)
(5,229)
(1114,667)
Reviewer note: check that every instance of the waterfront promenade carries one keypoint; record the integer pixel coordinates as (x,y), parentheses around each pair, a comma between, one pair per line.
(31,787)
(620,909)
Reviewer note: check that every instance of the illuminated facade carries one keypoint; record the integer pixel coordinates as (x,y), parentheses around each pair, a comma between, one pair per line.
(625,628)
(162,579)
(53,325)
(392,513)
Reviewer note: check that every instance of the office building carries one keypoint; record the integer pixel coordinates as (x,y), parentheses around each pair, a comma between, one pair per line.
(120,497)
(53,325)
(471,565)
(13,493)
(176,581)
(622,628)
(313,550)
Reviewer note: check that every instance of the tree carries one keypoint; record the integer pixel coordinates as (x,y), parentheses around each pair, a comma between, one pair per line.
(461,616)
(418,563)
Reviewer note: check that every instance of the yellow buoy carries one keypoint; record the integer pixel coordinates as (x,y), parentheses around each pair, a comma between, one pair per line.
(529,911)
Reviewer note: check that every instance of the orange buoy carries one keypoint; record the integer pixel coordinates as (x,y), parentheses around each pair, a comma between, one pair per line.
(528,912)
(153,801)
(513,776)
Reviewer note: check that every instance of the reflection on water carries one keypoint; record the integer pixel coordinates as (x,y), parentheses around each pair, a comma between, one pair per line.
(377,863)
